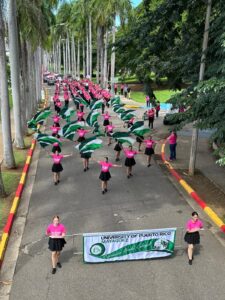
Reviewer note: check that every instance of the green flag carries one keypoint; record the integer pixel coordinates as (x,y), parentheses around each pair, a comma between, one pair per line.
(123,137)
(140,131)
(89,145)
(46,140)
(70,129)
(96,104)
(92,117)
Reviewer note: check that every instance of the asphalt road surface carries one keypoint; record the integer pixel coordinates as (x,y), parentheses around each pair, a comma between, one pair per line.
(148,200)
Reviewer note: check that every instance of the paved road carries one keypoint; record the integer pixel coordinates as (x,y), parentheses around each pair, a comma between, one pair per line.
(148,200)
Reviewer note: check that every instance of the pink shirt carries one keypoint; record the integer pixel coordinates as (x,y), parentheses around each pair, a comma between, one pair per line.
(147,98)
(151,113)
(55,129)
(56,119)
(172,138)
(109,128)
(149,143)
(130,153)
(58,103)
(66,96)
(106,116)
(194,225)
(57,158)
(81,132)
(105,166)
(55,230)
(80,114)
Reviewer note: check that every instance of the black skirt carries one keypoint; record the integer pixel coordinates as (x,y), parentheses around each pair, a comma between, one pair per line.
(56,244)
(149,151)
(56,168)
(80,120)
(81,139)
(109,134)
(104,176)
(139,139)
(129,162)
(192,238)
(85,155)
(117,147)
(106,122)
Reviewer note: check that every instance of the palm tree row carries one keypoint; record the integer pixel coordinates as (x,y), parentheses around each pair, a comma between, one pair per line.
(84,25)
(25,24)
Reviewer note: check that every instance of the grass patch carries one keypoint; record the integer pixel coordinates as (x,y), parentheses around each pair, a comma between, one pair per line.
(10,181)
(21,154)
(161,95)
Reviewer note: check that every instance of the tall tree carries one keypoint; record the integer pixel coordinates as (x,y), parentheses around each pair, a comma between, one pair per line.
(8,157)
(15,71)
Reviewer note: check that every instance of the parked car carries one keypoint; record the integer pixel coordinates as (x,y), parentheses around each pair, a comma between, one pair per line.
(51,80)
(168,121)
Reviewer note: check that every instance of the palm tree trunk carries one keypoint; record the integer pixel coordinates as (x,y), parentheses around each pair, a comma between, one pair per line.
(102,55)
(105,60)
(78,59)
(64,59)
(90,46)
(84,68)
(59,57)
(98,55)
(74,65)
(14,63)
(8,157)
(194,142)
(113,59)
(87,50)
(69,56)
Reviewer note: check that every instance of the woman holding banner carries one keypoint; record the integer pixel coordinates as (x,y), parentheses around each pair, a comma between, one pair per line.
(56,232)
(192,236)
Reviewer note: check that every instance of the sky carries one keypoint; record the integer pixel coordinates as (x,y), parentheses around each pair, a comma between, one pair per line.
(136,2)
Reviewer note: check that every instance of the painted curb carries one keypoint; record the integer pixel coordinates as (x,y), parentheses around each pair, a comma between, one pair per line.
(17,197)
(212,215)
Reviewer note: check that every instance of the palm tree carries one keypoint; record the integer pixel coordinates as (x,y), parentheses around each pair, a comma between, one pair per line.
(8,157)
(14,64)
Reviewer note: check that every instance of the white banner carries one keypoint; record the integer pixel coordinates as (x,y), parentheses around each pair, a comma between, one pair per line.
(128,245)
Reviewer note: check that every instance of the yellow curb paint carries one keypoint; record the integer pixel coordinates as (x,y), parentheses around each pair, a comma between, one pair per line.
(186,186)
(14,205)
(32,146)
(28,159)
(23,177)
(5,237)
(213,216)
